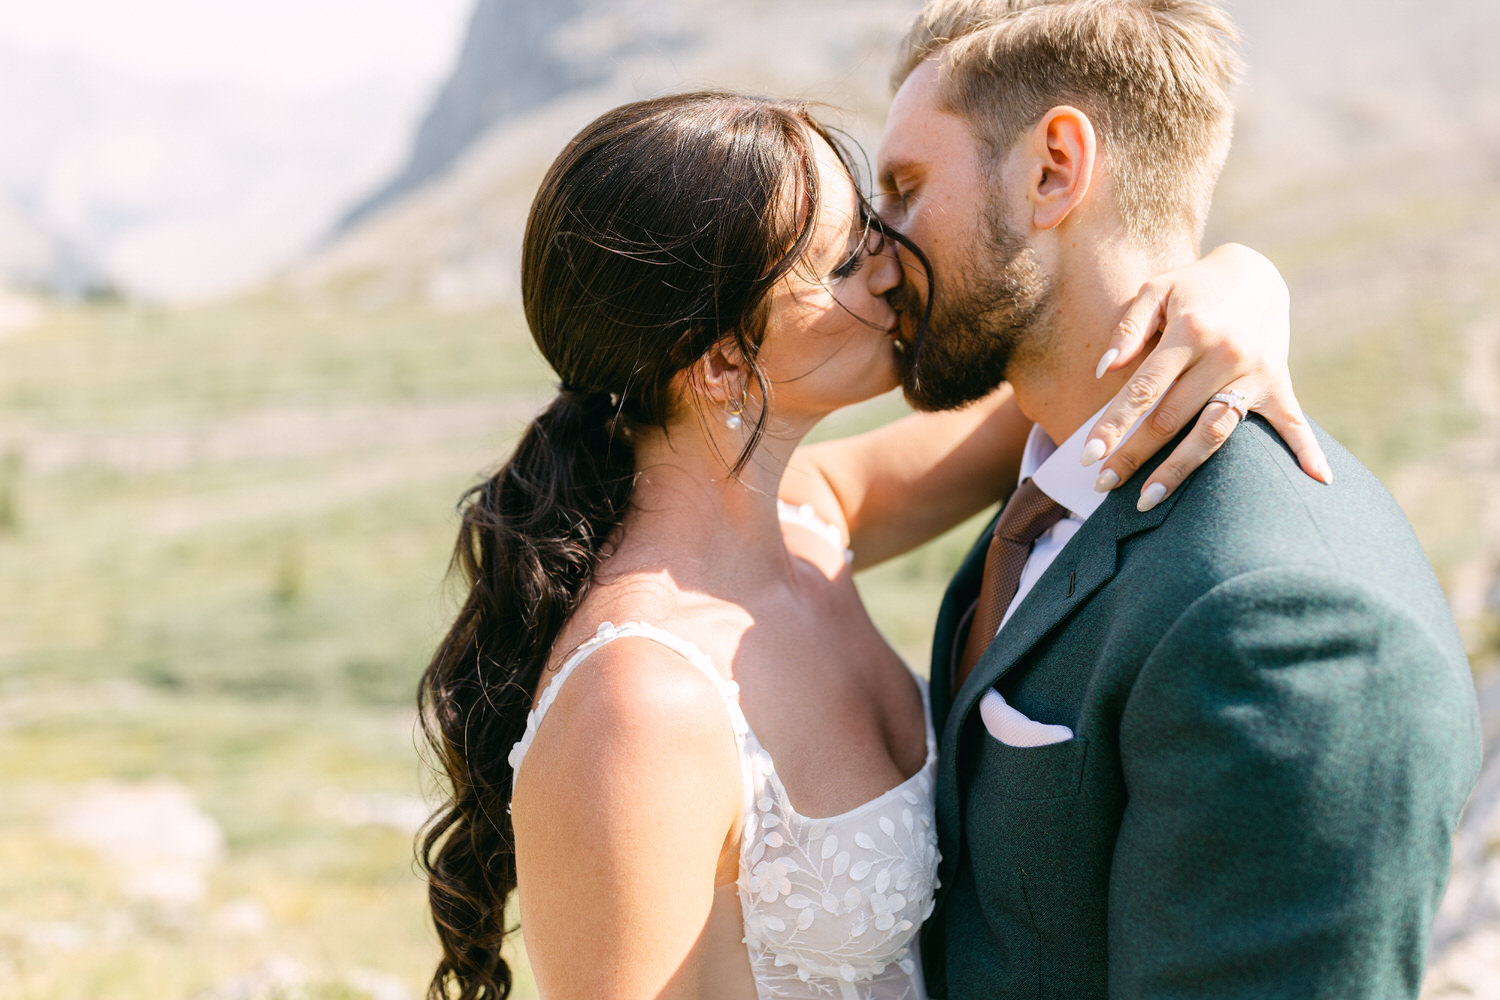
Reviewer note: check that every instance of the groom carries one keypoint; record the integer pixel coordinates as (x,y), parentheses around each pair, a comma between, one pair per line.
(1217,748)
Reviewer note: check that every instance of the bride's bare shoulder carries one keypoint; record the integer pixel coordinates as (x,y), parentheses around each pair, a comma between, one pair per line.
(626,807)
(634,709)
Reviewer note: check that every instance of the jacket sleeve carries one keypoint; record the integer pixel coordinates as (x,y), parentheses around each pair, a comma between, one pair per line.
(1296,752)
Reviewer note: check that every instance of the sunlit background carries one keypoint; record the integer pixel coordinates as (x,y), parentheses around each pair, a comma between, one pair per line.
(258,331)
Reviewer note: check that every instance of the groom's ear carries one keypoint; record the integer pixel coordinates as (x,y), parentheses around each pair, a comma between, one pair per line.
(1062,149)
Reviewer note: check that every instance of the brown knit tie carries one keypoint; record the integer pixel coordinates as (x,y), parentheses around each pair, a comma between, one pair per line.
(1027,515)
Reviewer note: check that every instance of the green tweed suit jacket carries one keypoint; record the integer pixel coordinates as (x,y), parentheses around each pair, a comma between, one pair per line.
(1275,733)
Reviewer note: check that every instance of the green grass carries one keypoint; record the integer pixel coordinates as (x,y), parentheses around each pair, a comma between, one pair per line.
(1392,398)
(1390,388)
(138,366)
(334,896)
(223,538)
(223,550)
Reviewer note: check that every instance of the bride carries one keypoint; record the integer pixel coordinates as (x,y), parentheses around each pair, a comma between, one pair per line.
(665,716)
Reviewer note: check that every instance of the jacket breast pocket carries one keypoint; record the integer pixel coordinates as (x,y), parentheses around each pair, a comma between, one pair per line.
(1051,771)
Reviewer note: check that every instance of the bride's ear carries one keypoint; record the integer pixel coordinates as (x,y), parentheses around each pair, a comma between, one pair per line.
(721,376)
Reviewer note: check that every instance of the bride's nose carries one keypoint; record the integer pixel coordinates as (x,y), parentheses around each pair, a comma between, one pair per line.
(884,269)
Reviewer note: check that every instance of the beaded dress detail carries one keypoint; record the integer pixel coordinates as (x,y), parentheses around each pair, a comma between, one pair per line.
(831,905)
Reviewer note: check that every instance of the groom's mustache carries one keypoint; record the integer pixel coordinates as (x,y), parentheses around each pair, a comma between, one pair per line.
(905,300)
(914,312)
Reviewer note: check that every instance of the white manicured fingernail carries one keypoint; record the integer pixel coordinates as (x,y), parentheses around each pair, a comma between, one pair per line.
(1108,480)
(1093,451)
(1105,362)
(1150,497)
(1327,471)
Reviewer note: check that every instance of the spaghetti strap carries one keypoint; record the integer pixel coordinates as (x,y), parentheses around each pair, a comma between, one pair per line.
(805,516)
(608,632)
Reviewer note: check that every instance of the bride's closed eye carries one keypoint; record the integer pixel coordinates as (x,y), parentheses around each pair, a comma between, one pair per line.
(871,242)
(850,266)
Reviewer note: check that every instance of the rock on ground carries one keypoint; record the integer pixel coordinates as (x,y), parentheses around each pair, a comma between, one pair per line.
(152,833)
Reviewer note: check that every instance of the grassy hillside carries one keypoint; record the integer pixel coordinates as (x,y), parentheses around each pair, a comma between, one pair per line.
(223,536)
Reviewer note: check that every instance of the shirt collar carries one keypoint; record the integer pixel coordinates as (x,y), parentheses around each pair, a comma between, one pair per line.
(1058,471)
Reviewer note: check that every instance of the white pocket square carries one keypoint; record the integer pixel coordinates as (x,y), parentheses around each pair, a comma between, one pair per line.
(1012,728)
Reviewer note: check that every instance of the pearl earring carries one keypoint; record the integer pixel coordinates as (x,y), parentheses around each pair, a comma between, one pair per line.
(734,408)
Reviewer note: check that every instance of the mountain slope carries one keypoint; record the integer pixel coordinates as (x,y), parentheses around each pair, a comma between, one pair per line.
(502,72)
(34,258)
(1341,104)
(455,238)
(181,189)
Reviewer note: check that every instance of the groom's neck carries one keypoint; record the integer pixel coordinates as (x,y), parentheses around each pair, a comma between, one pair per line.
(1055,385)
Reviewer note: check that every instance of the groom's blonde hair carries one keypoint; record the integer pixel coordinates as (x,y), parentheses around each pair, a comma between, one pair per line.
(1152,75)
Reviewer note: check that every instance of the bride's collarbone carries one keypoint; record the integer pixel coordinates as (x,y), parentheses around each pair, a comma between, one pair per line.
(814,647)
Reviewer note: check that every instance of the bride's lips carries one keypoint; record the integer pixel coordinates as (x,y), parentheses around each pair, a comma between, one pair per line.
(897,328)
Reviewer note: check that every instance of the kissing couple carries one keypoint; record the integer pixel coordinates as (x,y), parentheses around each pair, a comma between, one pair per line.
(1197,721)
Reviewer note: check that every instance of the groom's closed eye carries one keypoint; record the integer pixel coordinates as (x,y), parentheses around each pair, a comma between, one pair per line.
(889,200)
(892,200)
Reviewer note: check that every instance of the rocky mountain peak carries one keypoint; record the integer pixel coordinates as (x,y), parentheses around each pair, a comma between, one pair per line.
(513,59)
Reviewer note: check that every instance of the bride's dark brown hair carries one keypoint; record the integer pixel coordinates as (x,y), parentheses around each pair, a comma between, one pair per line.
(658,234)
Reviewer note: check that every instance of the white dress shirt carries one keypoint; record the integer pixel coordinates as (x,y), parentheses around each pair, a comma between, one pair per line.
(1059,473)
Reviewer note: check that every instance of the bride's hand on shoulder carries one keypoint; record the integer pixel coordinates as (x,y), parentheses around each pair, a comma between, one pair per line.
(1225,327)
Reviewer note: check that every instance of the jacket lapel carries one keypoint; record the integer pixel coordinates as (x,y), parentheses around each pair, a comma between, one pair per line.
(1083,566)
(957,600)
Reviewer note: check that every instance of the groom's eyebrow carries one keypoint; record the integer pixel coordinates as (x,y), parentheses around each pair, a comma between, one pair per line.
(888,173)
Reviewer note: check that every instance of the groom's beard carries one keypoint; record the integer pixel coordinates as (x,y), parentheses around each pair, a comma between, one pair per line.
(987,309)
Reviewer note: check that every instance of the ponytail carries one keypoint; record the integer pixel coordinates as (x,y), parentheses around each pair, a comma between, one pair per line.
(530,540)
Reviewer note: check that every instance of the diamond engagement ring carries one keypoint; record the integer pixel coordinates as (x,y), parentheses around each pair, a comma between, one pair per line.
(1233,400)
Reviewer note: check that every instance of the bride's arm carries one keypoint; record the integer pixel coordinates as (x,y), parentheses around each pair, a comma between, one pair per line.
(1225,319)
(900,485)
(623,807)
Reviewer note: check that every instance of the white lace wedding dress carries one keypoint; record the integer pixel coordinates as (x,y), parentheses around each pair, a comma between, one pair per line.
(831,905)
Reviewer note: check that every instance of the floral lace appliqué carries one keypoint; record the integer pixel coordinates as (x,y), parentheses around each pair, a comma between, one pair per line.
(832,905)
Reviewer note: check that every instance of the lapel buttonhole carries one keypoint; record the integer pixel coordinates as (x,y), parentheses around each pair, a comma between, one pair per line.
(1072,582)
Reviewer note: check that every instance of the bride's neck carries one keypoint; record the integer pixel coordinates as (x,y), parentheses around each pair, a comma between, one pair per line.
(687,503)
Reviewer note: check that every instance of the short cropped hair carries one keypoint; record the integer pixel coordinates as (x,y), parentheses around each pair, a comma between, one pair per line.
(1152,75)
